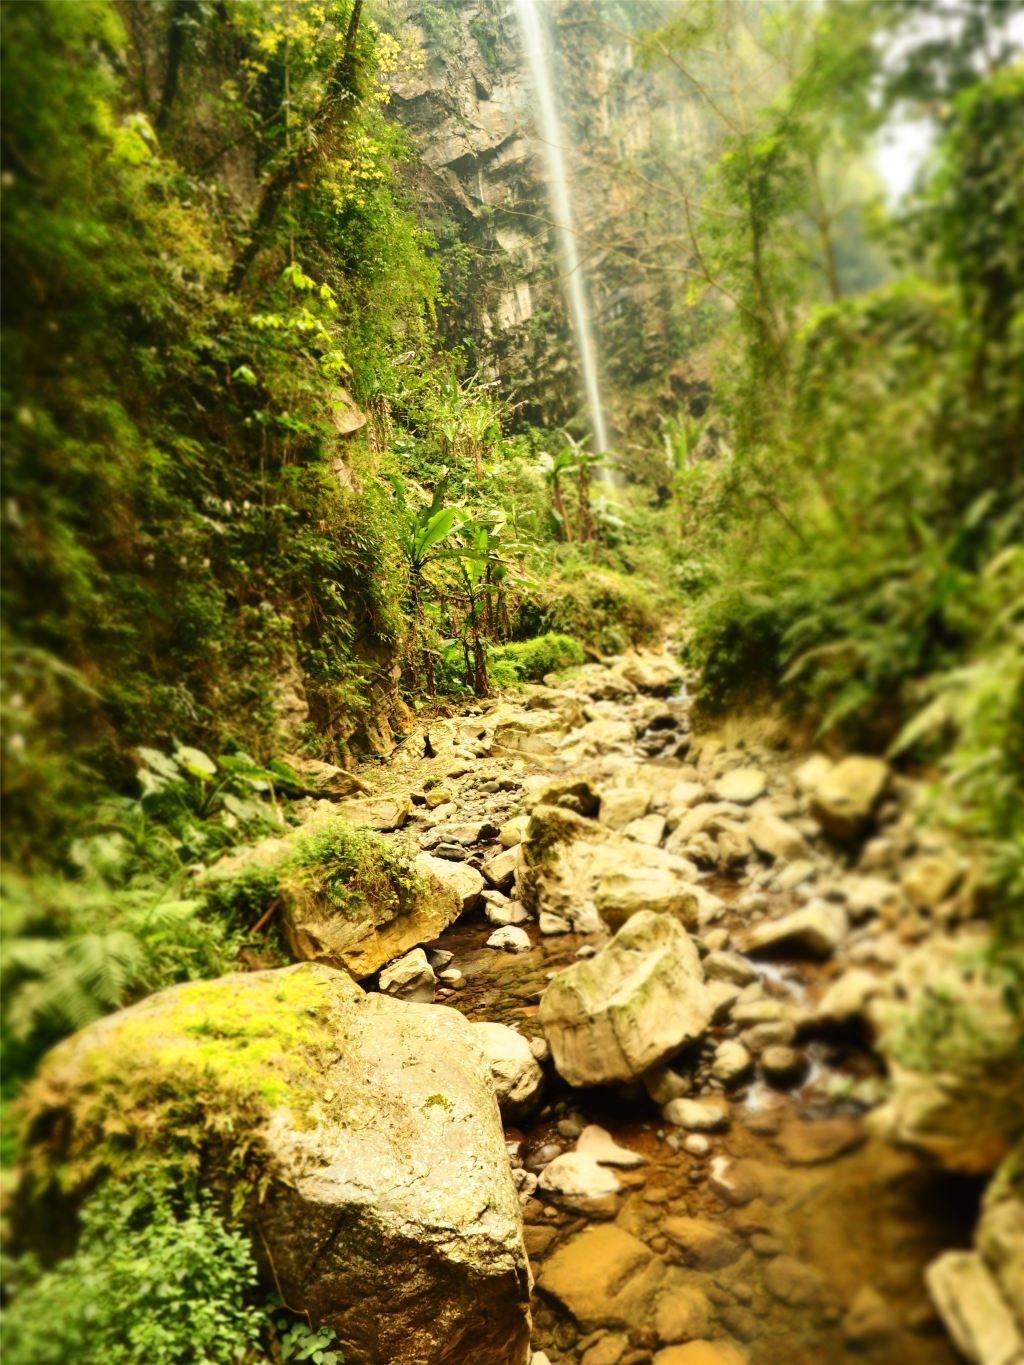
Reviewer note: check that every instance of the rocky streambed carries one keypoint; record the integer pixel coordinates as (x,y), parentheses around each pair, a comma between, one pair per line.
(675,1111)
(771,1221)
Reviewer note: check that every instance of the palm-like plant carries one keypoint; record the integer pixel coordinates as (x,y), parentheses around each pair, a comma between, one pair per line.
(422,532)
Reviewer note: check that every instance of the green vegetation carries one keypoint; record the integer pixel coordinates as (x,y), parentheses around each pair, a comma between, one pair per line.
(532,660)
(148,1281)
(158,1279)
(351,866)
(854,550)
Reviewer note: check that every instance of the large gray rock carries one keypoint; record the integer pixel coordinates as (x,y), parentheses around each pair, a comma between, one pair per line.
(518,1079)
(846,796)
(377,812)
(605,1277)
(568,863)
(325,779)
(775,837)
(629,1008)
(368,1126)
(980,1294)
(655,673)
(665,887)
(742,785)
(410,978)
(462,883)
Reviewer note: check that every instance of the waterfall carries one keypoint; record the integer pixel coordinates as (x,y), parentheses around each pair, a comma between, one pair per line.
(532,29)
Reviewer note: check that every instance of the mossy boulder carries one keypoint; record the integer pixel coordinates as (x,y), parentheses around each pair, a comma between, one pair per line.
(348,896)
(358,1137)
(953,1050)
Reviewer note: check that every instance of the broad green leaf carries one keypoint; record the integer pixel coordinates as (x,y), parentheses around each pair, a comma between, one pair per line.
(195,762)
(439,526)
(161,764)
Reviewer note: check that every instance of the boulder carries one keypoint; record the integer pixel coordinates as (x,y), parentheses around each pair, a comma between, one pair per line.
(510,939)
(648,829)
(698,1116)
(812,772)
(467,833)
(817,930)
(529,732)
(410,978)
(869,1322)
(463,884)
(578,1176)
(663,1084)
(955,1063)
(741,785)
(518,1079)
(606,1277)
(598,1143)
(348,898)
(500,870)
(846,797)
(784,1066)
(599,736)
(377,812)
(732,967)
(974,1311)
(776,838)
(732,1062)
(702,1352)
(704,1244)
(658,674)
(931,879)
(512,831)
(847,997)
(630,1007)
(565,857)
(870,896)
(620,806)
(682,797)
(324,779)
(504,912)
(665,889)
(794,1282)
(379,1196)
(705,818)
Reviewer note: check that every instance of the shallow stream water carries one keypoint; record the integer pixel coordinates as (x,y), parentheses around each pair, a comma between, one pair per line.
(853,1209)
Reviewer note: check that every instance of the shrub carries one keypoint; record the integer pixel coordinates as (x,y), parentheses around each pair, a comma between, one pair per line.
(148,1281)
(532,660)
(600,608)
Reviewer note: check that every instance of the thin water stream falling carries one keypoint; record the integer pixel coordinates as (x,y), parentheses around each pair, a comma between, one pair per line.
(531,25)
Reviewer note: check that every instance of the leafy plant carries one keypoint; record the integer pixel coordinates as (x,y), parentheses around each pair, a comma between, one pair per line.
(300,1342)
(148,1281)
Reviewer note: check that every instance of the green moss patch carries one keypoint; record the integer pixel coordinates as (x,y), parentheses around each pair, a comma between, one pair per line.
(187,1079)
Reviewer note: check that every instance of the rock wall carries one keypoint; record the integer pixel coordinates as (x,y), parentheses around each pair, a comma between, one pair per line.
(470,113)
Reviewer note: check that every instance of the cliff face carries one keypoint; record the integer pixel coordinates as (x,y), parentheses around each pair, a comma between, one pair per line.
(471,114)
